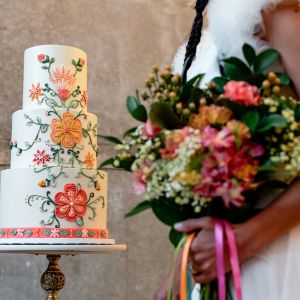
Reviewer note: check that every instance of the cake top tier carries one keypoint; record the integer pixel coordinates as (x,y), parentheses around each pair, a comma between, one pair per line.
(55,76)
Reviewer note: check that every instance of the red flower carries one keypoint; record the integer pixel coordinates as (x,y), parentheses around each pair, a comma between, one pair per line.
(41,157)
(41,57)
(150,130)
(71,203)
(242,92)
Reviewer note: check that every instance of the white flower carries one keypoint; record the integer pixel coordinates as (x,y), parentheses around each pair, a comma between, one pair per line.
(54,233)
(20,232)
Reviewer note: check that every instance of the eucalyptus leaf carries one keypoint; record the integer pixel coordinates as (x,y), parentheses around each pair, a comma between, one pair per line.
(265,60)
(162,115)
(249,54)
(272,121)
(132,103)
(139,208)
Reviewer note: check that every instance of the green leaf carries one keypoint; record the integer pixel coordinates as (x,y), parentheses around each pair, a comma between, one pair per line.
(111,139)
(74,62)
(297,112)
(129,131)
(52,60)
(126,164)
(251,119)
(140,113)
(45,67)
(272,121)
(132,104)
(167,211)
(186,89)
(234,73)
(238,109)
(139,208)
(220,82)
(162,115)
(107,162)
(79,69)
(175,237)
(79,221)
(249,54)
(265,60)
(240,65)
(285,80)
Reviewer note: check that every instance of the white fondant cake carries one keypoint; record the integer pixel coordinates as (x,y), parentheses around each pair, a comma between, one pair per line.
(53,192)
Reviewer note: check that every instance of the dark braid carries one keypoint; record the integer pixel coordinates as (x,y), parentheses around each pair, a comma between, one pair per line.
(195,37)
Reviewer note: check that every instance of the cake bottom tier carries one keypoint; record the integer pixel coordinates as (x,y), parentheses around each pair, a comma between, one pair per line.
(53,205)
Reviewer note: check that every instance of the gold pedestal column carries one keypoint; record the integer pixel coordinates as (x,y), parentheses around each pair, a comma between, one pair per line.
(53,279)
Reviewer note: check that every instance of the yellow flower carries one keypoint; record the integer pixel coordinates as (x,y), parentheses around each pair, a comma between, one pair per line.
(210,115)
(245,172)
(42,183)
(67,132)
(188,177)
(239,129)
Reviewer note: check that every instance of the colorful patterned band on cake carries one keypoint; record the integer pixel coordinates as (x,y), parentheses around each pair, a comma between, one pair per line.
(48,232)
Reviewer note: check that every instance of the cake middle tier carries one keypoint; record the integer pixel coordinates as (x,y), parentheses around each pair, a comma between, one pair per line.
(54,137)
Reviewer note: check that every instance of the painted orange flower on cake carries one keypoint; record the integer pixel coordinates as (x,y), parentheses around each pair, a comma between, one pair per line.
(71,204)
(89,160)
(66,132)
(64,80)
(35,92)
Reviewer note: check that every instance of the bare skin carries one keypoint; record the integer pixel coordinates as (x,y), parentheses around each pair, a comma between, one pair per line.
(282,26)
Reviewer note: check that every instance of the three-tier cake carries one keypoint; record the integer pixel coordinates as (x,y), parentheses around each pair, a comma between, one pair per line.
(53,192)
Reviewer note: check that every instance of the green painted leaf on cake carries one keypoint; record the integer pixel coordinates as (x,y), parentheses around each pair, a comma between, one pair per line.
(79,221)
(139,208)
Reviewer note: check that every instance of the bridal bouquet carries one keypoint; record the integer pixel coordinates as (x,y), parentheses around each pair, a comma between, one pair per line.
(212,151)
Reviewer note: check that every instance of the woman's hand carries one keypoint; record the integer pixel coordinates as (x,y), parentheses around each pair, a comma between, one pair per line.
(202,254)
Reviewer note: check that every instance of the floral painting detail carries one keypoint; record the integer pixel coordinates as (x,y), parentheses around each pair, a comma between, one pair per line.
(41,158)
(90,160)
(84,98)
(71,204)
(41,57)
(54,233)
(20,233)
(35,92)
(66,132)
(64,80)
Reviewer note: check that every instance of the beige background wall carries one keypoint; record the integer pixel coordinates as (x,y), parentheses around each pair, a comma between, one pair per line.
(123,39)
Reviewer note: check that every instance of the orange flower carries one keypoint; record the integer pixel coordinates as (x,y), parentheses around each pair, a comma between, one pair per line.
(239,129)
(248,171)
(209,115)
(89,160)
(67,132)
(42,183)
(35,92)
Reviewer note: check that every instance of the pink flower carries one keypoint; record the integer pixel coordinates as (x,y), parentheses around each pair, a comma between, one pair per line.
(84,98)
(35,92)
(242,92)
(41,57)
(63,93)
(71,203)
(140,180)
(41,157)
(211,137)
(150,130)
(81,62)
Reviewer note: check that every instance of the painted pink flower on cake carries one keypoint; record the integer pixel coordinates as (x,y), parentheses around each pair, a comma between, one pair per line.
(41,57)
(67,132)
(90,160)
(35,92)
(41,158)
(242,92)
(84,98)
(81,62)
(71,204)
(64,80)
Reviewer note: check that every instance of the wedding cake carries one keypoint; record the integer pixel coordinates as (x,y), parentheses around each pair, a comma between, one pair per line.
(53,192)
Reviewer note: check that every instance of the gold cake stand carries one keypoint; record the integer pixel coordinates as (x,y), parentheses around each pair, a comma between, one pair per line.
(53,279)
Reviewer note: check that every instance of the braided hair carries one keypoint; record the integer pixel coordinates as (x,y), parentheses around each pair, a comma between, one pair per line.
(195,37)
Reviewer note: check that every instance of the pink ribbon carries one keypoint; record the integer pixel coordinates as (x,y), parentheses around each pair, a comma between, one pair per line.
(221,227)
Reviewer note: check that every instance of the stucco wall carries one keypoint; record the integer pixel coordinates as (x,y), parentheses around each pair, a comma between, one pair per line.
(123,39)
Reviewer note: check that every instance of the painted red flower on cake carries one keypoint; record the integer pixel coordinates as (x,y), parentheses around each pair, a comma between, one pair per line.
(64,80)
(71,204)
(41,158)
(85,98)
(67,132)
(35,92)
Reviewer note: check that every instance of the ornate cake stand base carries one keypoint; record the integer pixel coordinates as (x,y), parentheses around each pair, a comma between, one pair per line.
(53,279)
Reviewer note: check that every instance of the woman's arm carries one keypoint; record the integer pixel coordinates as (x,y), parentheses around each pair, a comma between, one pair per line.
(252,236)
